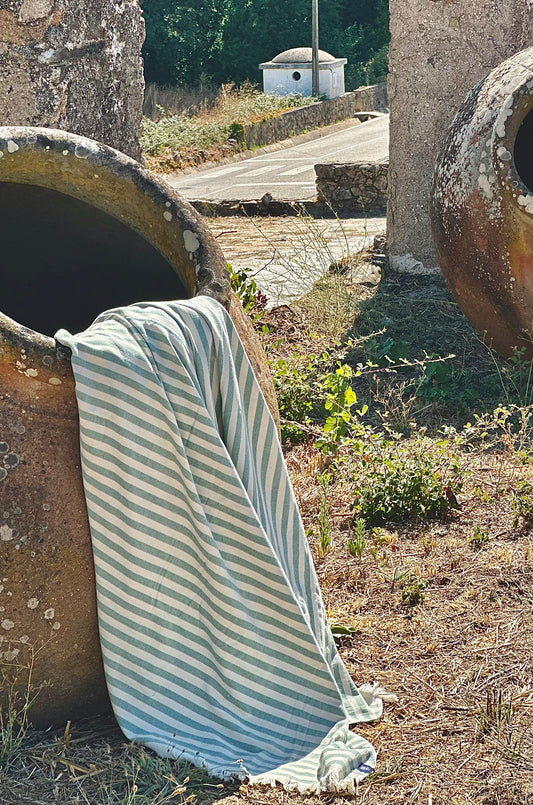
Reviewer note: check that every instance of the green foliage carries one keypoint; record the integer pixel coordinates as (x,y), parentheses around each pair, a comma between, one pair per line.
(339,401)
(478,537)
(413,587)
(399,481)
(340,630)
(189,41)
(252,298)
(297,398)
(357,543)
(182,38)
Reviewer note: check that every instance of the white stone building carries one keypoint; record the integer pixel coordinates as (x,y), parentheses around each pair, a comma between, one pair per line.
(291,71)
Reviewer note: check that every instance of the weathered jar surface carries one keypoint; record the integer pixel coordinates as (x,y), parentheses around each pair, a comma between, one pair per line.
(83,228)
(482,206)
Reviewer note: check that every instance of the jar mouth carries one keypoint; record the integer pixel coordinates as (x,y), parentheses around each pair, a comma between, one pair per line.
(512,145)
(85,228)
(67,261)
(523,151)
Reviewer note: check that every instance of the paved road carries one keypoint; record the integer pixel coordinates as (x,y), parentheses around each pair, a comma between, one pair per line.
(288,172)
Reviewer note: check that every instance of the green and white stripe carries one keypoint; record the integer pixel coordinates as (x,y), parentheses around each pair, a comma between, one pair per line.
(214,636)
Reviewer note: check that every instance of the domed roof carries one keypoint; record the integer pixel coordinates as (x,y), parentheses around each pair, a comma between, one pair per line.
(301,56)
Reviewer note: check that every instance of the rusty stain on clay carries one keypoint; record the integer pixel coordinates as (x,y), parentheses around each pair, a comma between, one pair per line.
(92,202)
(482,206)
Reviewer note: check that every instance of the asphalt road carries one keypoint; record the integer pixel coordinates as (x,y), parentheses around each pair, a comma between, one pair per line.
(287,173)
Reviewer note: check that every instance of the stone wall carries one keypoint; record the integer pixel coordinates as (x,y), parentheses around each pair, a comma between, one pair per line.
(439,50)
(353,186)
(296,121)
(73,65)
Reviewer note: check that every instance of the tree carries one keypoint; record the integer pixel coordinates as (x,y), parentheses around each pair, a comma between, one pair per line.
(225,40)
(182,38)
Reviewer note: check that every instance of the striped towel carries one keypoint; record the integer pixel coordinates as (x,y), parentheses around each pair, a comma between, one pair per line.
(215,640)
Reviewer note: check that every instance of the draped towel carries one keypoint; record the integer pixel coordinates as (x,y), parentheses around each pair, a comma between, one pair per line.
(214,637)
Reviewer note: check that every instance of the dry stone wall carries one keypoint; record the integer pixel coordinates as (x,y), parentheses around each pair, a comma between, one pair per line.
(353,186)
(73,65)
(439,50)
(305,118)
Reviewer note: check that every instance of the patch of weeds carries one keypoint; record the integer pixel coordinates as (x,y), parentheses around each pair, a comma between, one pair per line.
(204,129)
(428,544)
(442,381)
(497,713)
(340,631)
(413,590)
(398,400)
(516,377)
(295,384)
(404,480)
(309,392)
(478,537)
(522,505)
(18,696)
(151,780)
(357,543)
(419,321)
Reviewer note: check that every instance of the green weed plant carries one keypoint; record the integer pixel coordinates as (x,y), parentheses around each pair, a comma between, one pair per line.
(413,590)
(397,481)
(357,544)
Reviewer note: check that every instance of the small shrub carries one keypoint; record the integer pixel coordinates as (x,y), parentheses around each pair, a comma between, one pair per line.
(252,298)
(406,480)
(296,394)
(339,399)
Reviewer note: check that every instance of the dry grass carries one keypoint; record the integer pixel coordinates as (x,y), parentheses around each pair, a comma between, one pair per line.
(460,661)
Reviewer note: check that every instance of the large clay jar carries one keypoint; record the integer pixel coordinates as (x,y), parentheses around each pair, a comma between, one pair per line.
(82,228)
(482,206)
